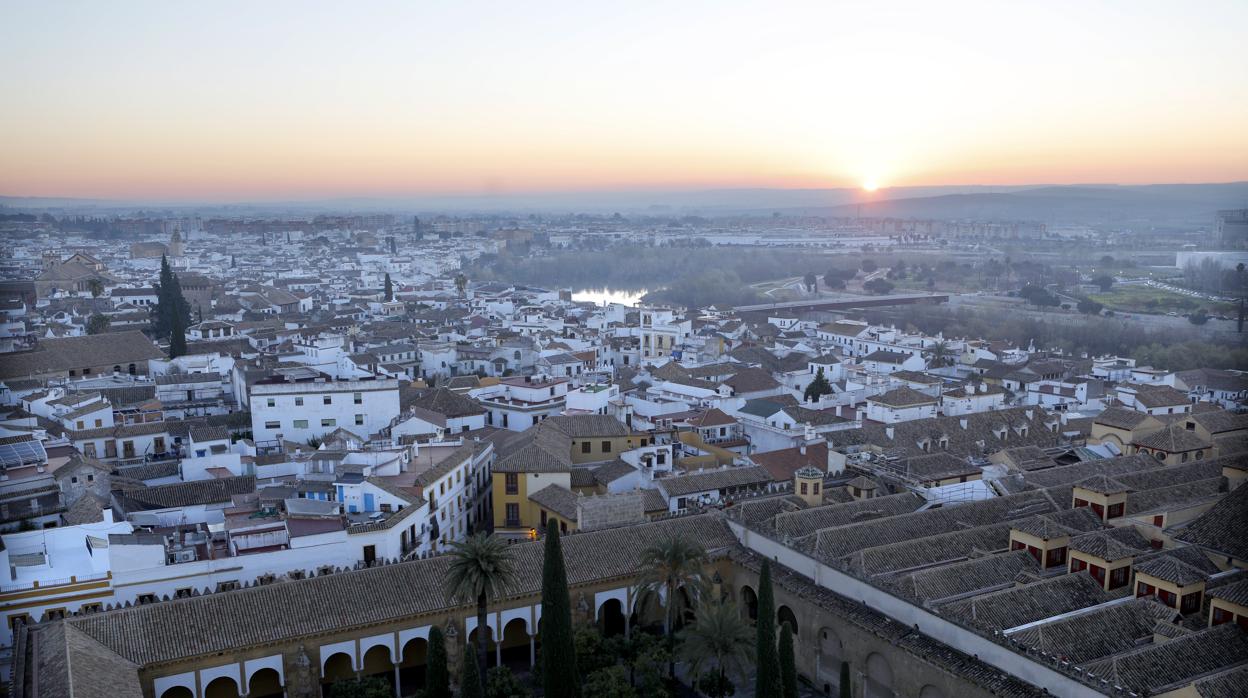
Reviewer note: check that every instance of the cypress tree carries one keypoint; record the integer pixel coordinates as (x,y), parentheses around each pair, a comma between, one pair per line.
(389,288)
(788,664)
(437,677)
(846,689)
(164,304)
(767,680)
(559,674)
(470,681)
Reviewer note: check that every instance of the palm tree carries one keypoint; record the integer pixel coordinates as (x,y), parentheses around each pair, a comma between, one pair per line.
(721,639)
(461,282)
(96,287)
(481,568)
(668,565)
(939,353)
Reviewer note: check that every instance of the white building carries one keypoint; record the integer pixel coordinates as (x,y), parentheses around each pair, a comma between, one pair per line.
(303,411)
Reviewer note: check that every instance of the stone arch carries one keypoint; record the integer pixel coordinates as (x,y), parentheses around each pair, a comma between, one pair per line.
(785,615)
(265,683)
(490,649)
(516,645)
(337,667)
(221,687)
(611,621)
(878,681)
(177,692)
(412,662)
(831,654)
(377,662)
(749,601)
(684,609)
(930,691)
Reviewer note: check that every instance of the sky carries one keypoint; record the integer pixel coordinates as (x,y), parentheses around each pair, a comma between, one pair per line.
(288,100)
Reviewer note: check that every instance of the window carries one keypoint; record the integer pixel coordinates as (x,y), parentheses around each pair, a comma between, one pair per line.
(17,620)
(1221,615)
(329,422)
(298,402)
(300,424)
(359,419)
(227,586)
(271,402)
(147,598)
(1119,577)
(327,399)
(273,425)
(513,515)
(54,614)
(1190,603)
(606,446)
(1055,557)
(512,483)
(1115,510)
(182,593)
(91,608)
(586,447)
(1142,589)
(803,488)
(358,398)
(1158,520)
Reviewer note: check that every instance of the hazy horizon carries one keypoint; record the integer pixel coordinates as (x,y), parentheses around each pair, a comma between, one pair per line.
(288,101)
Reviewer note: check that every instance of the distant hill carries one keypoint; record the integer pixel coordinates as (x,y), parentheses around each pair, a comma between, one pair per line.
(1154,203)
(1167,204)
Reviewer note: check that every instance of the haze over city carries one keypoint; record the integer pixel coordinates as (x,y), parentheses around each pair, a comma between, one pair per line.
(294,100)
(639,350)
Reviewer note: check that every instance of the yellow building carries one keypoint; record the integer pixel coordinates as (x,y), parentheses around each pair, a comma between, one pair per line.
(543,456)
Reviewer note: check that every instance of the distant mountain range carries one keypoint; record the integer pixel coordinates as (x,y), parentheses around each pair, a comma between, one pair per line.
(1092,203)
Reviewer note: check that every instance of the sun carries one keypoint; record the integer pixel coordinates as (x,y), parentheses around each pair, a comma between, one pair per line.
(870,185)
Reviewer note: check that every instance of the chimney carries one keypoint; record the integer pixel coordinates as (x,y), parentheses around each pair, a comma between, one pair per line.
(888,431)
(802,449)
(1029,414)
(962,423)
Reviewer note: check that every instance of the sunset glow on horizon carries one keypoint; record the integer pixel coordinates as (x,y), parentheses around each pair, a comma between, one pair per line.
(277,100)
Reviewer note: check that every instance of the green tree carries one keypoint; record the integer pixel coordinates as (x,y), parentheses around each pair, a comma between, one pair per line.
(1104,282)
(788,663)
(481,568)
(469,678)
(461,283)
(609,682)
(647,668)
(437,675)
(819,386)
(389,288)
(939,353)
(718,644)
(869,265)
(592,651)
(880,287)
(836,278)
(847,690)
(98,324)
(560,678)
(811,281)
(767,676)
(1199,317)
(1087,306)
(500,682)
(96,287)
(367,687)
(669,565)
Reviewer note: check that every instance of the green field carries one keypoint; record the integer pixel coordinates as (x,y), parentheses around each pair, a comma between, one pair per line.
(1145,299)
